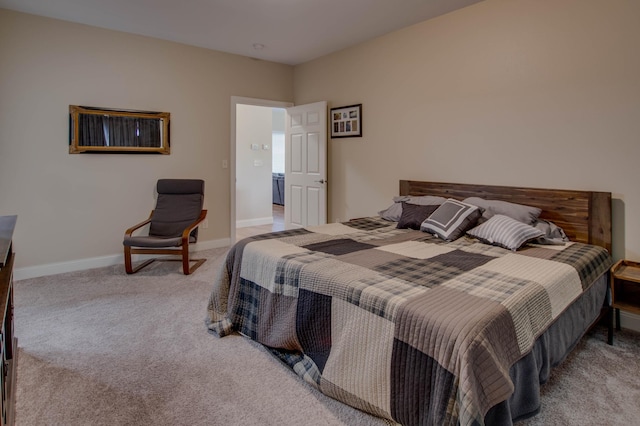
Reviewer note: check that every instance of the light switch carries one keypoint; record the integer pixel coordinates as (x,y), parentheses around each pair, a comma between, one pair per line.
(255,146)
(265,147)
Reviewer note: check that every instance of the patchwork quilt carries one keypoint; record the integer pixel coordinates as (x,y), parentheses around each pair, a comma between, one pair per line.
(396,322)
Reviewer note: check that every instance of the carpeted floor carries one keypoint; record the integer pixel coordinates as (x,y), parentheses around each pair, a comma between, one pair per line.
(99,347)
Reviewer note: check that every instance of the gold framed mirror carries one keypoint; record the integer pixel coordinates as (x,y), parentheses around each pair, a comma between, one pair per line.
(102,130)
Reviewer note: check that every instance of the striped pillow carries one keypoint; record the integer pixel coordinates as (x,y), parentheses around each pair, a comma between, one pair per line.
(504,231)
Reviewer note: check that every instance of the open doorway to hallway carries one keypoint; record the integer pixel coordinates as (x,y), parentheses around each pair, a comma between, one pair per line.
(259,169)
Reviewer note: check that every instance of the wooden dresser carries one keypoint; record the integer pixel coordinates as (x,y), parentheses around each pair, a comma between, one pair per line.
(8,342)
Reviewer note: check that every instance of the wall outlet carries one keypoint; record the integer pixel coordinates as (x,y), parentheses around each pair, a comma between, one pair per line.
(205,224)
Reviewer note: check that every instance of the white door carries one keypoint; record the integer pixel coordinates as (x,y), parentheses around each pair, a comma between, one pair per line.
(305,180)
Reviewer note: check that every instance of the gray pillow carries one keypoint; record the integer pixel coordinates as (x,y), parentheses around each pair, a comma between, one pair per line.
(451,219)
(394,211)
(553,234)
(425,200)
(519,212)
(503,231)
(413,215)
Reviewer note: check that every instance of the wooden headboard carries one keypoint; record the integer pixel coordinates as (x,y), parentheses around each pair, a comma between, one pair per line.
(585,216)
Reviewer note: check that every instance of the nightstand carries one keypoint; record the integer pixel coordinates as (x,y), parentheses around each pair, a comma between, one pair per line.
(625,291)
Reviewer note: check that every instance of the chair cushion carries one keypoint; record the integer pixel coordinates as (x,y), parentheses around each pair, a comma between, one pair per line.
(180,186)
(179,204)
(173,213)
(154,242)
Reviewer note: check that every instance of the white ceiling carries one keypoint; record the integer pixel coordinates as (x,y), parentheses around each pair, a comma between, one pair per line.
(292,31)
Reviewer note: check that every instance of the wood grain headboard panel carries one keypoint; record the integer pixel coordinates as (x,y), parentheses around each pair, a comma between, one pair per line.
(585,216)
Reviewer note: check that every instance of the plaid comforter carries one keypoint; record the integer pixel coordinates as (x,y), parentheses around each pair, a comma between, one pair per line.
(396,322)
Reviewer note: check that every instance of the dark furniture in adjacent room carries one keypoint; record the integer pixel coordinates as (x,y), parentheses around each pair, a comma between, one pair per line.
(278,188)
(8,341)
(173,225)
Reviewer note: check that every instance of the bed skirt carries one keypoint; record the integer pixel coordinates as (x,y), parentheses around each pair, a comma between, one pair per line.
(549,350)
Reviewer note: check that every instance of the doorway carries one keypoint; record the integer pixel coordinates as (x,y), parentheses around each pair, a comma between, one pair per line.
(257,151)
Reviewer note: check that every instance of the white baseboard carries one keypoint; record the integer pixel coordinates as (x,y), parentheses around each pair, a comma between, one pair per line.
(254,222)
(630,321)
(98,262)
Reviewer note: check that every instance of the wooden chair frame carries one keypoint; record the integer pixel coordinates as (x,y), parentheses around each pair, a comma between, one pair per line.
(182,250)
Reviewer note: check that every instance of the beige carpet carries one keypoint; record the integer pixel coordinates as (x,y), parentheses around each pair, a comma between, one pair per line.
(99,347)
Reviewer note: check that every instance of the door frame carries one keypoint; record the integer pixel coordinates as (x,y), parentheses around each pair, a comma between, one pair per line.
(239,100)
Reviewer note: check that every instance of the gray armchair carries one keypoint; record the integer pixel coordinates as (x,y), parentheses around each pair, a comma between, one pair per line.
(173,225)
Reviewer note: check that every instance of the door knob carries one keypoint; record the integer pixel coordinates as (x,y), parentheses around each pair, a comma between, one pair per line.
(320,181)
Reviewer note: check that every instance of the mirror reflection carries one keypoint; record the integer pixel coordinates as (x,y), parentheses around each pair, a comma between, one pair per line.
(108,130)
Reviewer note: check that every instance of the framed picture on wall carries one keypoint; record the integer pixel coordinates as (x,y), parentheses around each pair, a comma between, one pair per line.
(346,122)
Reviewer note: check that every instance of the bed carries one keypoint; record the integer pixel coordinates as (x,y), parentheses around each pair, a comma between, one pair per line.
(410,327)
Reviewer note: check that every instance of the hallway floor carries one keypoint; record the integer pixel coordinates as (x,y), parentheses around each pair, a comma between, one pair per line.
(278,225)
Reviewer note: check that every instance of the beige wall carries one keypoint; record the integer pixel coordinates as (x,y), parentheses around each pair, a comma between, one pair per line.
(74,207)
(527,93)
